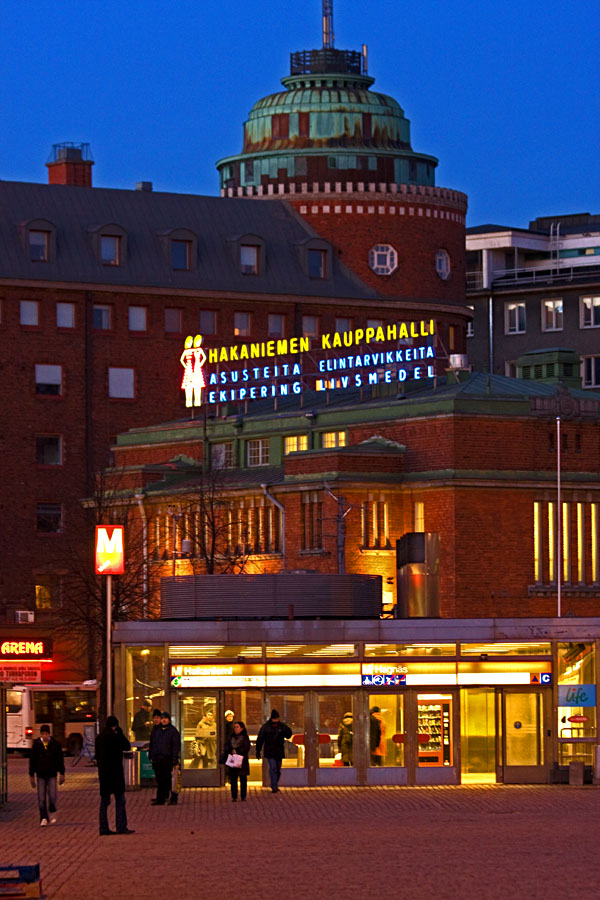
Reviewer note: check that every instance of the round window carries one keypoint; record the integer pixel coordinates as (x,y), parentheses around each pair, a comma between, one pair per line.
(442,264)
(383,259)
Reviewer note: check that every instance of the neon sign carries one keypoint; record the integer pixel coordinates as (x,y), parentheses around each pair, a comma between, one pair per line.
(22,650)
(110,555)
(281,379)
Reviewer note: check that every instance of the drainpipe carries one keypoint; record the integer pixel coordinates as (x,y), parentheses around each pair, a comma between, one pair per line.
(341,528)
(491,332)
(281,508)
(140,501)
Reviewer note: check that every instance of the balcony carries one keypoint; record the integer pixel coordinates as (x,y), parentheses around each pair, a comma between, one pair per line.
(507,278)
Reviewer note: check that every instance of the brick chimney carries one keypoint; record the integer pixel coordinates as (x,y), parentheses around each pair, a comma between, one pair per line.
(70,164)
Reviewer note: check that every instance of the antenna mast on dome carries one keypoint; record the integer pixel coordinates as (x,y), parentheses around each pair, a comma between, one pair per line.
(328,36)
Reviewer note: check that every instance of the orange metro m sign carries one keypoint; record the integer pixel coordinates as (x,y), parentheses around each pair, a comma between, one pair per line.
(109,550)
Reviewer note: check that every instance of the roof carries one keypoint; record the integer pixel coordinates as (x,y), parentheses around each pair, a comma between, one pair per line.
(147,217)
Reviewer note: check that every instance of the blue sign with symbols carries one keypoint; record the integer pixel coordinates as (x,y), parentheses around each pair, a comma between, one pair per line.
(384,680)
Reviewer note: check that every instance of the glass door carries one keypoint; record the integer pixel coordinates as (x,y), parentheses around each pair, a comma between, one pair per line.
(246,707)
(523,746)
(292,709)
(478,736)
(335,741)
(386,737)
(201,739)
(435,739)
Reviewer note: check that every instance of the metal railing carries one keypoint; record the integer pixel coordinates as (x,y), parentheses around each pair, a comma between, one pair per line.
(508,277)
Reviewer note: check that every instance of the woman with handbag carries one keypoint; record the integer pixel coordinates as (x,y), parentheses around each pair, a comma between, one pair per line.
(236,751)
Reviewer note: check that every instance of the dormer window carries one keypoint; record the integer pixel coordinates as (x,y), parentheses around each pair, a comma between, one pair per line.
(249,259)
(110,250)
(39,246)
(180,255)
(316,262)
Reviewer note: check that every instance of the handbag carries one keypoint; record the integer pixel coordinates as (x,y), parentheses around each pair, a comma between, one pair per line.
(234,761)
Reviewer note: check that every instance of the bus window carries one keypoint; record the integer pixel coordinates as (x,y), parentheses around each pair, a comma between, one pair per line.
(43,706)
(80,705)
(14,701)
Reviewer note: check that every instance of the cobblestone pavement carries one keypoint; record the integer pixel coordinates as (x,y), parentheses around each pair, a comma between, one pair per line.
(492,841)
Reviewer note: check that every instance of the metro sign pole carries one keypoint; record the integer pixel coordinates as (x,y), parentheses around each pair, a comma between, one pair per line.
(109,561)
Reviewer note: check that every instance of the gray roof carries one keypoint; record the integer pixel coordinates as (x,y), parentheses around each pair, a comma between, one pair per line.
(147,217)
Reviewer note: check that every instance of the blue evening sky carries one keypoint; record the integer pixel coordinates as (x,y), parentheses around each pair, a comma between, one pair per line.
(505,94)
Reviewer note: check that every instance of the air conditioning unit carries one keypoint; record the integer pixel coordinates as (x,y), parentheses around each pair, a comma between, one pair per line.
(459,361)
(24,616)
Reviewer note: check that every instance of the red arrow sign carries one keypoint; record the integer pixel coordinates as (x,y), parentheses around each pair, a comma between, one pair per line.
(578,719)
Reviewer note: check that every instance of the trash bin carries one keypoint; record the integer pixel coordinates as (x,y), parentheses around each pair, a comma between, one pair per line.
(576,772)
(131,769)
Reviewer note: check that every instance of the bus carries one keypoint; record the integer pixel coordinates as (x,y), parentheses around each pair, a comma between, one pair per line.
(66,708)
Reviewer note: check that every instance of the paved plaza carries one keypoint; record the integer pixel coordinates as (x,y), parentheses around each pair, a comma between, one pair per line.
(490,841)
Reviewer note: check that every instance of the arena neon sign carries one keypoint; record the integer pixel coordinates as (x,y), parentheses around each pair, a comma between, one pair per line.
(281,379)
(24,650)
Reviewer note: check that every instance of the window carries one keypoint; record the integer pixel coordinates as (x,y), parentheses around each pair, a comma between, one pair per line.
(258,452)
(418,516)
(249,171)
(29,313)
(591,371)
(48,449)
(514,318)
(316,263)
(442,264)
(208,321)
(65,315)
(276,325)
(303,124)
(330,439)
(342,325)
(310,326)
(49,518)
(102,317)
(39,246)
(295,443)
(280,125)
(249,259)
(48,380)
(311,521)
(181,253)
(121,383)
(241,324)
(471,324)
(138,318)
(375,323)
(375,522)
(110,250)
(552,315)
(173,320)
(47,592)
(590,312)
(221,455)
(383,259)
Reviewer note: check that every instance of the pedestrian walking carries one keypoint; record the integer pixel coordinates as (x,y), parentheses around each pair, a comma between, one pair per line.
(272,736)
(110,745)
(164,750)
(235,751)
(375,736)
(141,722)
(346,739)
(46,762)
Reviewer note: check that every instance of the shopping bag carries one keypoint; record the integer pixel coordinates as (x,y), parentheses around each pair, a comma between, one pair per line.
(234,761)
(176,780)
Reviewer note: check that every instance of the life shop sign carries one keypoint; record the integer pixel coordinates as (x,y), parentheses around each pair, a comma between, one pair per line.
(19,650)
(109,550)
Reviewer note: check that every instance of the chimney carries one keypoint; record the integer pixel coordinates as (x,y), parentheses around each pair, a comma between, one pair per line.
(70,164)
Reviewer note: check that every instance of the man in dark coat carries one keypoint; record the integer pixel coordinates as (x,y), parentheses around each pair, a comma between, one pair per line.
(272,736)
(110,744)
(46,761)
(164,750)
(141,722)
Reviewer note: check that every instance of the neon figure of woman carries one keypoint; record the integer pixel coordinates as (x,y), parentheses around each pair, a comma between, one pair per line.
(193,359)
